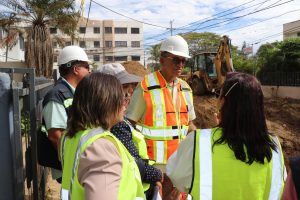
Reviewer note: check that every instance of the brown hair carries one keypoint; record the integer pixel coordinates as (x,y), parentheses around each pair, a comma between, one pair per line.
(98,98)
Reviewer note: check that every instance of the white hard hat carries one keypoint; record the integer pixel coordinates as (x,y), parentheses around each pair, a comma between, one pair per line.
(71,53)
(175,45)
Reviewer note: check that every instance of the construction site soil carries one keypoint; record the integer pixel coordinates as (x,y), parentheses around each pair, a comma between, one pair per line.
(283,120)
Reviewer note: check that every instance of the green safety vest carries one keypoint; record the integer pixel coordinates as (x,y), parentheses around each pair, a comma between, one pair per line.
(140,144)
(70,150)
(219,175)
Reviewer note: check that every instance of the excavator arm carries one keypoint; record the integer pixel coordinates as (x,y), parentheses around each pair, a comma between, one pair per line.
(224,53)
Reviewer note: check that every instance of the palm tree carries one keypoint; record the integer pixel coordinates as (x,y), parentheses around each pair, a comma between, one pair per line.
(39,15)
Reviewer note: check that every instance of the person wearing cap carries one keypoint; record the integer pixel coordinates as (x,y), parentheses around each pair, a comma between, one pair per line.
(128,135)
(73,66)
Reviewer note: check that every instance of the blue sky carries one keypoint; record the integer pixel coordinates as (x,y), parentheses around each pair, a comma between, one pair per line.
(256,21)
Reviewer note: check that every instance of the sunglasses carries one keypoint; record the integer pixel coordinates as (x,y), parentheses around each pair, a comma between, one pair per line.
(84,65)
(177,60)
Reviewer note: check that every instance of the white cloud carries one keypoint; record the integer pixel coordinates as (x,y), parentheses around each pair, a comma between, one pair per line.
(184,12)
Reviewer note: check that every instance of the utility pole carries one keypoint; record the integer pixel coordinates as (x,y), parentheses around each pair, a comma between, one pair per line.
(171,26)
(144,58)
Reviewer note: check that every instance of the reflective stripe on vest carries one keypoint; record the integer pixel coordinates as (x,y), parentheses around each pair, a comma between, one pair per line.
(162,122)
(68,102)
(203,187)
(130,175)
(278,168)
(82,141)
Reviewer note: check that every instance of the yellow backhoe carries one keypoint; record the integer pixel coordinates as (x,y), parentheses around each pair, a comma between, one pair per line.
(210,68)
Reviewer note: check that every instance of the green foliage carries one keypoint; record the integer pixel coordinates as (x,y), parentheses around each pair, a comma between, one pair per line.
(199,42)
(279,56)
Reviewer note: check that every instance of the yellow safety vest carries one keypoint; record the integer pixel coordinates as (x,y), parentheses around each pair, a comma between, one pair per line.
(218,175)
(70,151)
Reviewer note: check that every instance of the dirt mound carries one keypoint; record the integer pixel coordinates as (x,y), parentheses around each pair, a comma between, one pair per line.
(283,120)
(134,67)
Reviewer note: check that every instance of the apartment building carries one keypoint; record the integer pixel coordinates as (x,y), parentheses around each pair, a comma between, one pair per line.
(14,53)
(291,29)
(105,41)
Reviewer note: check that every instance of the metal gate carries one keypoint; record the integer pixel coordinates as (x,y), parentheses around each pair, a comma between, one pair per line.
(20,116)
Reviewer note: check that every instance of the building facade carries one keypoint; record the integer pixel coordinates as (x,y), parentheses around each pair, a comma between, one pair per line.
(15,51)
(105,41)
(291,29)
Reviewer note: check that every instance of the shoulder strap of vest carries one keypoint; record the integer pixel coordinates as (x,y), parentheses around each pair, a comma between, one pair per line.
(153,81)
(92,133)
(59,93)
(277,171)
(195,132)
(184,86)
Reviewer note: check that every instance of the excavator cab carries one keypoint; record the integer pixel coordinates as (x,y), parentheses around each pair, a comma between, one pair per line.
(203,73)
(210,68)
(205,61)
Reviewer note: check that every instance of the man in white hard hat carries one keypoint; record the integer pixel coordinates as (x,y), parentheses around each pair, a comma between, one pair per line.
(73,66)
(162,104)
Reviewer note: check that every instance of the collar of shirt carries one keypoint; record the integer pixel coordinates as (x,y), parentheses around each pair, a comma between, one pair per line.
(72,88)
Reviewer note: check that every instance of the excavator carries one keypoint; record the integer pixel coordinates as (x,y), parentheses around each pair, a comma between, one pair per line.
(210,68)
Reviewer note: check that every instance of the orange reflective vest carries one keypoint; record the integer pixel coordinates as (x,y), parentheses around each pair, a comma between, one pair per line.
(164,124)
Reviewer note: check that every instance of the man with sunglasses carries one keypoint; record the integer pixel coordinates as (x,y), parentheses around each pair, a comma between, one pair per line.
(162,104)
(73,66)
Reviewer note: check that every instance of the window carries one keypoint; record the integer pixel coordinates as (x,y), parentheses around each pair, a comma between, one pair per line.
(96,44)
(135,31)
(68,43)
(120,58)
(298,34)
(82,30)
(96,29)
(108,58)
(120,30)
(53,30)
(135,58)
(120,43)
(108,44)
(135,43)
(82,44)
(96,57)
(108,29)
(54,58)
(21,39)
(54,44)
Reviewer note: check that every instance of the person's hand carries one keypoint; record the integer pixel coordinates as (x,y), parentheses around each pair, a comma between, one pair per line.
(159,185)
(169,191)
(173,195)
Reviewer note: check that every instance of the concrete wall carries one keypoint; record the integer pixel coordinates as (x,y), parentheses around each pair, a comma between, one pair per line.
(281,91)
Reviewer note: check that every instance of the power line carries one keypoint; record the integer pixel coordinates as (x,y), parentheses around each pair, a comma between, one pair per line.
(262,20)
(150,24)
(241,16)
(208,19)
